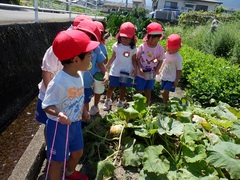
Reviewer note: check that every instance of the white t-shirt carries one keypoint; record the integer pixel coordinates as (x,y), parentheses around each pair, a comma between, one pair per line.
(148,56)
(171,64)
(123,60)
(67,94)
(51,64)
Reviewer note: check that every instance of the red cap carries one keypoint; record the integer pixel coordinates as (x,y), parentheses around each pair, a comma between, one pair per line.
(70,43)
(100,26)
(174,42)
(153,28)
(127,30)
(89,26)
(79,18)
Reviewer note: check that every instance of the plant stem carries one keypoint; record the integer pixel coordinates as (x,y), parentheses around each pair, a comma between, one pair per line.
(116,138)
(119,146)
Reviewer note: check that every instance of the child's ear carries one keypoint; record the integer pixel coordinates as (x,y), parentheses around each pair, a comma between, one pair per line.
(75,59)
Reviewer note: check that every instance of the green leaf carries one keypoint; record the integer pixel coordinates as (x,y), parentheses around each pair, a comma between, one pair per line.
(191,134)
(236,129)
(154,163)
(104,168)
(169,126)
(226,155)
(198,154)
(140,103)
(143,133)
(184,116)
(202,169)
(133,154)
(127,114)
(221,111)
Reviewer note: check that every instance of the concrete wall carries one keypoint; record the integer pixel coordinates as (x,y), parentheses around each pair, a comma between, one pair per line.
(22,47)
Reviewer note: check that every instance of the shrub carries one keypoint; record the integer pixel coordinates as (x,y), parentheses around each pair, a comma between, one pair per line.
(208,77)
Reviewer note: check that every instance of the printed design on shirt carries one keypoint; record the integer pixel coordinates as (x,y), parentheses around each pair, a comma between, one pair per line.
(126,54)
(73,106)
(150,54)
(149,60)
(73,92)
(169,66)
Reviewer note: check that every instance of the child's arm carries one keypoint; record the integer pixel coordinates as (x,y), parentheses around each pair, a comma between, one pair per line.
(135,64)
(157,68)
(86,114)
(104,71)
(178,75)
(63,119)
(47,77)
(111,60)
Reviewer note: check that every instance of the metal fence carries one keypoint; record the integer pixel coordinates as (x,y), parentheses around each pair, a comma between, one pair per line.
(49,4)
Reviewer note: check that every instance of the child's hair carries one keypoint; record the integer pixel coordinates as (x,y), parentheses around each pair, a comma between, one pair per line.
(154,35)
(132,43)
(82,55)
(69,61)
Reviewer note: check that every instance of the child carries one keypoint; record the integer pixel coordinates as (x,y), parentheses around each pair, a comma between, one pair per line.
(95,109)
(63,103)
(171,69)
(98,58)
(123,63)
(102,39)
(50,66)
(149,57)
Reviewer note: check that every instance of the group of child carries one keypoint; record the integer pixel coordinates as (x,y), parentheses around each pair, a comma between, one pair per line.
(68,70)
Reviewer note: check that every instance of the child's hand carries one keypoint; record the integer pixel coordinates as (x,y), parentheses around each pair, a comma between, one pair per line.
(86,116)
(135,72)
(141,71)
(105,79)
(63,119)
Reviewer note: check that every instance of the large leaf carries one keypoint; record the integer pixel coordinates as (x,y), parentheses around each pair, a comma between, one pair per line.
(104,168)
(153,163)
(198,154)
(184,116)
(226,155)
(140,103)
(202,169)
(133,154)
(236,129)
(221,111)
(127,114)
(169,126)
(191,134)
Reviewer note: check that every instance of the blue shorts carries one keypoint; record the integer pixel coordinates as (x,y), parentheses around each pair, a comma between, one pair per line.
(168,85)
(88,94)
(143,84)
(75,139)
(40,114)
(114,82)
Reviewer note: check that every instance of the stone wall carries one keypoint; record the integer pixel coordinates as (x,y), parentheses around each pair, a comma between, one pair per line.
(22,47)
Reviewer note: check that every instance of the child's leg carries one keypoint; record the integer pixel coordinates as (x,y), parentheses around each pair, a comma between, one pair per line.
(148,94)
(73,161)
(165,95)
(110,91)
(55,170)
(96,99)
(122,93)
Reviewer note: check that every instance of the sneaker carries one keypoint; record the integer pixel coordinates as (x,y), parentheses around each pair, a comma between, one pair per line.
(119,104)
(94,110)
(107,105)
(77,176)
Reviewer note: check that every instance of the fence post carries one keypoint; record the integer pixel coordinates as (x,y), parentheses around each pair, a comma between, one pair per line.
(36,10)
(70,9)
